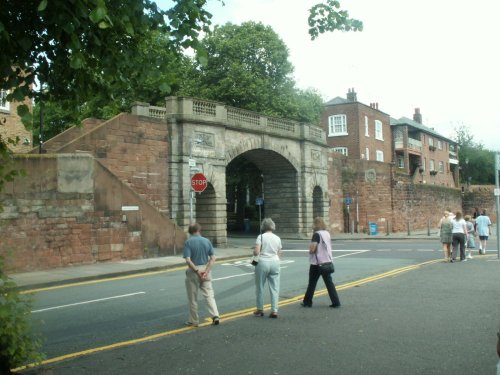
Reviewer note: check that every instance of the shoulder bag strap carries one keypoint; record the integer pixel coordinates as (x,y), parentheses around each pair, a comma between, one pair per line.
(316,252)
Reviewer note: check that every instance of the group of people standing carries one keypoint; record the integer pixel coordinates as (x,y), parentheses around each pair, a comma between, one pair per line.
(199,256)
(458,233)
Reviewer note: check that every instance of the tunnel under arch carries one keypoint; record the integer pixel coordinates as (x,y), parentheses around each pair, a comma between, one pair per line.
(262,173)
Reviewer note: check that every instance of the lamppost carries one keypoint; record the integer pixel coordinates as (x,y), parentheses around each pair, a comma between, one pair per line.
(192,170)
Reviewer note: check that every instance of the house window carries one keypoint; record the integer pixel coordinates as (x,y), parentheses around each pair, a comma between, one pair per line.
(441,167)
(4,104)
(378,130)
(431,141)
(367,133)
(431,164)
(401,162)
(337,125)
(380,155)
(440,145)
(367,153)
(342,150)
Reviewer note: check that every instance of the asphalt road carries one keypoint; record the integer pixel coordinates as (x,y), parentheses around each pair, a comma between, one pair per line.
(369,334)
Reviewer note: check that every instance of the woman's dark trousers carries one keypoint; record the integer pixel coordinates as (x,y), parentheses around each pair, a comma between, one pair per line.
(314,275)
(458,238)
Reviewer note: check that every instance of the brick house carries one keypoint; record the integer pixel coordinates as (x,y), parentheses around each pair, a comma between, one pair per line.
(11,125)
(423,153)
(356,130)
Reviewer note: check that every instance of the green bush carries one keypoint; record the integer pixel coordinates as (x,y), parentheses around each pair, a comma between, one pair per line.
(18,345)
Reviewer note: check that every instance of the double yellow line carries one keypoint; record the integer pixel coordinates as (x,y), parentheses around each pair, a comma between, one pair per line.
(224,317)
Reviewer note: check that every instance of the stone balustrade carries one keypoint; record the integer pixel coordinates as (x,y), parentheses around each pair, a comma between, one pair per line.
(209,111)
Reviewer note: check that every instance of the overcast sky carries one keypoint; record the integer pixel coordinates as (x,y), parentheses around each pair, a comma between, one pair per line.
(441,56)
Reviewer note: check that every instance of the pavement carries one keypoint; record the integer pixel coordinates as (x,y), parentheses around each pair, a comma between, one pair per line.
(238,246)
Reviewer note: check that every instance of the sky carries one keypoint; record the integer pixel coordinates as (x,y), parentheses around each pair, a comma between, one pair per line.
(441,56)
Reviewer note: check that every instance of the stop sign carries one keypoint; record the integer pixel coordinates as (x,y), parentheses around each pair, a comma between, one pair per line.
(199,182)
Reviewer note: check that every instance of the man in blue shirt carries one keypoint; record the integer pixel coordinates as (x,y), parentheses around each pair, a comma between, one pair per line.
(200,258)
(483,224)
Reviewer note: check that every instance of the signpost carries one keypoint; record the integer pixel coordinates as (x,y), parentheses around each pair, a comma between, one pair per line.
(198,184)
(497,201)
(259,201)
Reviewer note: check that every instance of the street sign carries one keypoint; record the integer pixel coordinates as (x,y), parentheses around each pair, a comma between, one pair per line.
(348,200)
(259,201)
(192,163)
(199,182)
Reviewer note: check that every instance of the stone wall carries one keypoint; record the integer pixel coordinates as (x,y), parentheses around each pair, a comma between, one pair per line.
(383,196)
(420,205)
(49,218)
(69,209)
(482,197)
(133,148)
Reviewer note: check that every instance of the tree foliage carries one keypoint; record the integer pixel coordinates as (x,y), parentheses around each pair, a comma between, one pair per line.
(324,17)
(17,343)
(477,164)
(248,67)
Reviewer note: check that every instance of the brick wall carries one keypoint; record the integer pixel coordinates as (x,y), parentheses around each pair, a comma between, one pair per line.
(482,197)
(11,126)
(135,149)
(381,195)
(45,225)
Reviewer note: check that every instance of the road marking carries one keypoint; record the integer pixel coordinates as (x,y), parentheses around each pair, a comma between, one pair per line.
(347,255)
(89,282)
(230,277)
(87,302)
(225,317)
(334,250)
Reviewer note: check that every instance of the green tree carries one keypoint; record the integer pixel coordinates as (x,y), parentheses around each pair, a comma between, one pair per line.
(248,67)
(477,164)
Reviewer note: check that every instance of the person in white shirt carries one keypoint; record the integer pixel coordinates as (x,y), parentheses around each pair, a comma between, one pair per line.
(268,248)
(459,234)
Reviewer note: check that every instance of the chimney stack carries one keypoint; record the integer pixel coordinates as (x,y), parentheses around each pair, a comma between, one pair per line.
(352,96)
(417,116)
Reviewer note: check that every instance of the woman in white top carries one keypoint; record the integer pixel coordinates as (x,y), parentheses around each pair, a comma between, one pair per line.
(459,234)
(268,248)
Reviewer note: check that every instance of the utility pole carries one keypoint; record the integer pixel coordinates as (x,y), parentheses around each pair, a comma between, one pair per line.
(497,202)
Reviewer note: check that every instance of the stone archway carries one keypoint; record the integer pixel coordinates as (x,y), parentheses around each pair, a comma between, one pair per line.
(278,184)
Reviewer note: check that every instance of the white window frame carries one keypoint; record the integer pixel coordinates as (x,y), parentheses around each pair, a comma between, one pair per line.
(337,125)
(431,141)
(441,167)
(431,165)
(440,145)
(367,127)
(379,134)
(380,155)
(342,150)
(4,104)
(367,153)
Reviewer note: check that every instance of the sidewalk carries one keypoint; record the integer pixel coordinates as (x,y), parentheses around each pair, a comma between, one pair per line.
(238,247)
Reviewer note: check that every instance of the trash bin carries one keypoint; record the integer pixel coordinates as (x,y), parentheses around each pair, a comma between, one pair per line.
(373,229)
(246,225)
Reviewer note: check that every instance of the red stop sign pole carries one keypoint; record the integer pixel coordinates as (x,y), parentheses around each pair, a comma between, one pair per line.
(199,182)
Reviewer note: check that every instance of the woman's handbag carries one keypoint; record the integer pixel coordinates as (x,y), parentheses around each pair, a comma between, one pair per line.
(255,259)
(326,268)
